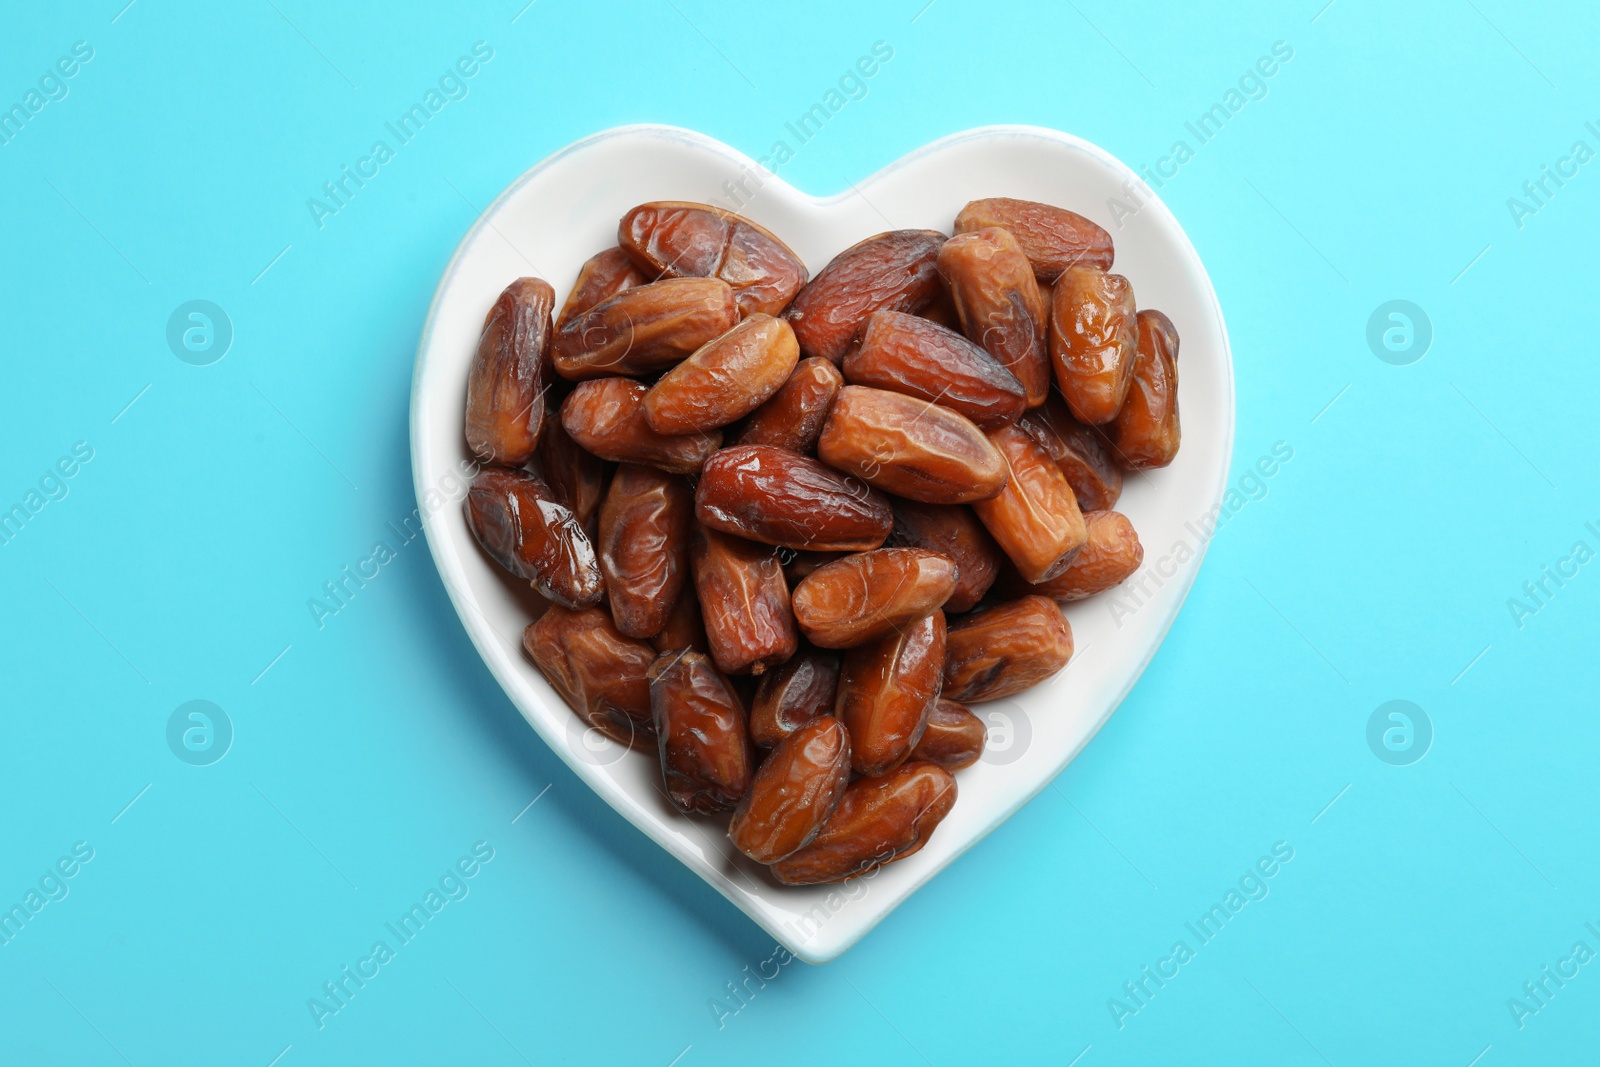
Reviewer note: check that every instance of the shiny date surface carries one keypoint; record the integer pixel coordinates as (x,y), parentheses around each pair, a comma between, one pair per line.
(779,497)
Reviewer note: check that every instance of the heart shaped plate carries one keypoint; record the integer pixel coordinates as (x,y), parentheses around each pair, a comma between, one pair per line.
(566,209)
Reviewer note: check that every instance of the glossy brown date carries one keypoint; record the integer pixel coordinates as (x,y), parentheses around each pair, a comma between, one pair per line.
(779,497)
(1035,519)
(700,727)
(792,694)
(999,304)
(1092,342)
(1053,238)
(509,375)
(525,529)
(886,687)
(794,792)
(913,356)
(679,239)
(895,270)
(1146,433)
(793,418)
(744,602)
(910,447)
(1111,554)
(644,546)
(954,532)
(878,821)
(644,329)
(606,417)
(868,594)
(1005,649)
(576,476)
(602,276)
(954,737)
(725,379)
(599,673)
(1095,478)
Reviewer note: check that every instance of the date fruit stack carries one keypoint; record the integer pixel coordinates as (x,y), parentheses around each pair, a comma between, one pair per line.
(782,530)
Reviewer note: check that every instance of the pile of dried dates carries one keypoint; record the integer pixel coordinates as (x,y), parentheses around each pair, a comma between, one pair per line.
(787,528)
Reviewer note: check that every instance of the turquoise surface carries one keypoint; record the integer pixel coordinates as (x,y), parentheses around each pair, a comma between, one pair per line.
(181,481)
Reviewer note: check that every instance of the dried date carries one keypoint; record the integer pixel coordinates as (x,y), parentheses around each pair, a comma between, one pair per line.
(1053,238)
(644,546)
(895,270)
(913,356)
(644,329)
(1005,649)
(725,379)
(525,529)
(909,447)
(509,375)
(678,239)
(1035,519)
(606,417)
(599,673)
(1092,342)
(700,727)
(878,821)
(886,687)
(868,594)
(794,792)
(744,602)
(999,304)
(778,497)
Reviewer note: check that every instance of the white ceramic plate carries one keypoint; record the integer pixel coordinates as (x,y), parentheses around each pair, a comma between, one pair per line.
(566,208)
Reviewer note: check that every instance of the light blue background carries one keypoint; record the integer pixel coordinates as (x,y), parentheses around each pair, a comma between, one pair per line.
(377,750)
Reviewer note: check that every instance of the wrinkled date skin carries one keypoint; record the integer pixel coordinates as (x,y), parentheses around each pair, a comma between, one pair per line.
(1035,520)
(878,821)
(999,305)
(910,447)
(956,533)
(868,594)
(601,277)
(793,418)
(1109,557)
(793,694)
(606,417)
(911,355)
(678,239)
(599,673)
(794,792)
(644,546)
(726,378)
(505,388)
(1005,649)
(1093,342)
(954,737)
(1053,238)
(644,329)
(1146,433)
(885,690)
(524,528)
(1095,478)
(700,726)
(684,628)
(744,602)
(895,270)
(778,497)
